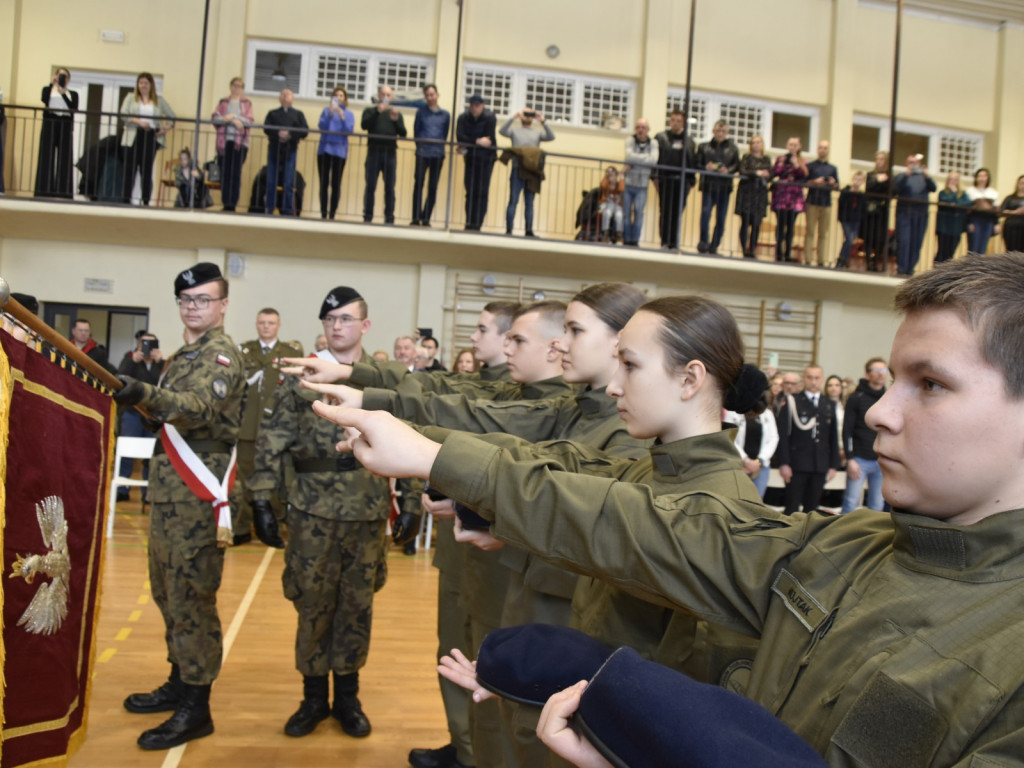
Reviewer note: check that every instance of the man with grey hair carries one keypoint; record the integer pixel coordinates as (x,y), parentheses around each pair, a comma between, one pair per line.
(384,124)
(285,128)
(641,157)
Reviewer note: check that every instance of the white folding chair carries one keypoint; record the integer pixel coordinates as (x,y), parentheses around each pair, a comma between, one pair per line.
(127,448)
(426,529)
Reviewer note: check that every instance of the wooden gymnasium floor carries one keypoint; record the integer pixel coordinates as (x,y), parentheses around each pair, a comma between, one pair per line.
(258,688)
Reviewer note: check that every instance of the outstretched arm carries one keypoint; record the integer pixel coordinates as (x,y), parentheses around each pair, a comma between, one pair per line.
(382,443)
(316,369)
(462,672)
(555,730)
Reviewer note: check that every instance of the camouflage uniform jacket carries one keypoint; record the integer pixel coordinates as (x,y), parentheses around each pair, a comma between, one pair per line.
(389,375)
(200,393)
(259,395)
(293,427)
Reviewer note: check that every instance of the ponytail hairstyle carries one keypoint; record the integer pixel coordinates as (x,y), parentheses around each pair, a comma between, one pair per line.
(614,303)
(699,328)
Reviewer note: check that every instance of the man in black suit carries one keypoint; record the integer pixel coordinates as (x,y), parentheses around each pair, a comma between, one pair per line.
(808,450)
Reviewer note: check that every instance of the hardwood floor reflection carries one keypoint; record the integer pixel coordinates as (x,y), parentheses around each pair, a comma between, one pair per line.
(258,687)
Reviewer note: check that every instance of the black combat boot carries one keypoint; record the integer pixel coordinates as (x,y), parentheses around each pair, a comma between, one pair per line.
(191,720)
(163,699)
(312,710)
(347,710)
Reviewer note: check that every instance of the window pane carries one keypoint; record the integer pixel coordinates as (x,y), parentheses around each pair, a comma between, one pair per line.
(786,125)
(697,117)
(495,87)
(551,96)
(606,105)
(744,121)
(348,72)
(957,153)
(909,144)
(276,71)
(865,142)
(406,78)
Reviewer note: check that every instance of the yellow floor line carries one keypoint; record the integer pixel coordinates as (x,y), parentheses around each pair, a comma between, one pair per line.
(123,634)
(134,615)
(107,655)
(174,755)
(143,599)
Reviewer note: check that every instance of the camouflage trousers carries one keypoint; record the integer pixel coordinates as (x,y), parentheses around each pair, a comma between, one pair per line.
(185,567)
(332,569)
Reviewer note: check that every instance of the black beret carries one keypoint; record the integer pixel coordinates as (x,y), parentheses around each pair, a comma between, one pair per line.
(639,714)
(531,662)
(476,98)
(339,297)
(200,274)
(27,301)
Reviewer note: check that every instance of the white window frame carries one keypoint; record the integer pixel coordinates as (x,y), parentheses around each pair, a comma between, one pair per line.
(311,53)
(713,111)
(934,133)
(517,91)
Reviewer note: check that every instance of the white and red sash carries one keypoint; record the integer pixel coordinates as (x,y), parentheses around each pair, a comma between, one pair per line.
(200,480)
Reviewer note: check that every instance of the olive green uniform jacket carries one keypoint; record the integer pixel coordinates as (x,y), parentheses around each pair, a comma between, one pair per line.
(886,640)
(389,375)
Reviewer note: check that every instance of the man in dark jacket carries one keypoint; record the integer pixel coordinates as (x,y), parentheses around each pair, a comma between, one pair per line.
(285,128)
(384,123)
(676,150)
(476,128)
(808,449)
(859,439)
(719,156)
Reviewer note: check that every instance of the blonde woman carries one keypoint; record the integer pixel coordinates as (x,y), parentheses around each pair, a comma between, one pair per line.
(147,118)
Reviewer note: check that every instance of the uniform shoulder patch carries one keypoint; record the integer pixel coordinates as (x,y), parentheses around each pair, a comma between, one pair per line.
(220,388)
(224,360)
(799,600)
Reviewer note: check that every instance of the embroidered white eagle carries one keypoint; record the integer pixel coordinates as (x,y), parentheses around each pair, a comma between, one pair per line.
(49,607)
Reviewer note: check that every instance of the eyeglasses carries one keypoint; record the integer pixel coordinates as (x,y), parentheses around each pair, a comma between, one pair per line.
(342,320)
(199,302)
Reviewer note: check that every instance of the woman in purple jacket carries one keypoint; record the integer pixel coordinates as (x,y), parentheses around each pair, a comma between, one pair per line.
(336,123)
(233,116)
(788,197)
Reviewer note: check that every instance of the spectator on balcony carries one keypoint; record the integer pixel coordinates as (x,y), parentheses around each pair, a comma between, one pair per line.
(789,170)
(874,226)
(1013,226)
(385,124)
(752,194)
(851,213)
(285,128)
(718,156)
(676,151)
(475,132)
(147,118)
(612,189)
(951,217)
(336,123)
(641,157)
(822,178)
(233,116)
(430,128)
(983,221)
(53,172)
(912,188)
(523,135)
(191,183)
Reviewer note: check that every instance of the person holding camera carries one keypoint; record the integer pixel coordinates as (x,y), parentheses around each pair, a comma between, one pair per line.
(911,188)
(384,124)
(336,123)
(524,136)
(53,172)
(143,363)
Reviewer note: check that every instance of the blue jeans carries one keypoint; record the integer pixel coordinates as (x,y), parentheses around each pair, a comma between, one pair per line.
(517,185)
(849,235)
(281,157)
(380,160)
(761,480)
(634,199)
(977,240)
(911,224)
(870,473)
(714,196)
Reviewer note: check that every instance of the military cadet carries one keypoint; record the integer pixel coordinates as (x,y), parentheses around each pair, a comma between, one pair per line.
(337,516)
(260,358)
(488,348)
(199,401)
(885,639)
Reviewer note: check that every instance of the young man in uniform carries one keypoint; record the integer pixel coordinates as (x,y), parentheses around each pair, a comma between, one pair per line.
(337,515)
(199,401)
(885,639)
(260,358)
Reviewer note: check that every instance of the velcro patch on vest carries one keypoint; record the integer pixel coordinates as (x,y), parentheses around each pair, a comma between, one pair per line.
(799,601)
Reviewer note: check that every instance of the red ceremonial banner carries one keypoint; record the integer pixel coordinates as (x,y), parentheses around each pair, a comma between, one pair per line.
(56,434)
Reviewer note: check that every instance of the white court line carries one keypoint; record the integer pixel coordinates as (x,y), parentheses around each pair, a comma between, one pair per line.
(174,755)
